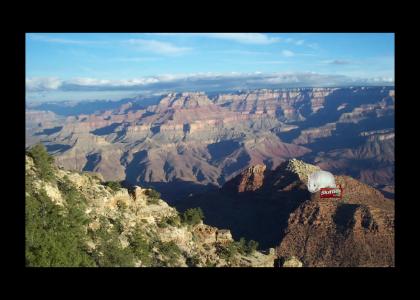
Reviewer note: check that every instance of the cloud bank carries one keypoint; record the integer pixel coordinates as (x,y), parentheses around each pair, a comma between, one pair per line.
(201,81)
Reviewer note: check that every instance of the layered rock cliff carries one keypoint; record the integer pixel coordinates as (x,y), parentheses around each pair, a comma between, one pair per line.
(202,140)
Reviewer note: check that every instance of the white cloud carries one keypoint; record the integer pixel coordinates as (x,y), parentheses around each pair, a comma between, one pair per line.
(287,53)
(201,81)
(153,46)
(240,37)
(134,59)
(294,41)
(43,84)
(336,62)
(158,47)
(246,38)
(57,40)
(268,62)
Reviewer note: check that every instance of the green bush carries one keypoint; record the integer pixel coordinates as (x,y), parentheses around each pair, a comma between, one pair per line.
(227,251)
(210,264)
(241,244)
(121,205)
(192,261)
(114,255)
(71,193)
(170,251)
(118,225)
(162,224)
(192,216)
(245,247)
(153,196)
(141,249)
(54,237)
(43,161)
(152,193)
(152,200)
(252,247)
(170,221)
(114,185)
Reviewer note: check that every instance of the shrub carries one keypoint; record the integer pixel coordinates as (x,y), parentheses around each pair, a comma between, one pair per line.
(152,194)
(228,251)
(114,185)
(43,161)
(72,195)
(141,249)
(162,224)
(192,216)
(245,247)
(252,247)
(152,200)
(174,220)
(241,245)
(210,264)
(118,225)
(192,261)
(170,251)
(121,205)
(114,255)
(54,237)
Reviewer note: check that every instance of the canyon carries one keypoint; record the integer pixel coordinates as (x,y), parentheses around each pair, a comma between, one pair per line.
(193,142)
(243,157)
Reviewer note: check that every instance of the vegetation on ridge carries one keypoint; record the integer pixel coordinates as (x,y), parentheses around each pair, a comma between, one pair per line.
(114,185)
(54,236)
(43,161)
(65,228)
(193,216)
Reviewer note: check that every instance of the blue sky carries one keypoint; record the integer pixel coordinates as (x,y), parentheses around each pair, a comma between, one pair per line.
(77,66)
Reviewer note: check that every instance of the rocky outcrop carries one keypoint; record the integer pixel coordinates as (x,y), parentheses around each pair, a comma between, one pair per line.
(292,262)
(356,231)
(249,180)
(165,239)
(301,169)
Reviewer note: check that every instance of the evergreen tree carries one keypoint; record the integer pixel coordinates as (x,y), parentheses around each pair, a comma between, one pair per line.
(43,161)
(193,216)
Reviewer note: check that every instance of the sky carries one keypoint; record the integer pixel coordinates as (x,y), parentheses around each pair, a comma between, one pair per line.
(87,66)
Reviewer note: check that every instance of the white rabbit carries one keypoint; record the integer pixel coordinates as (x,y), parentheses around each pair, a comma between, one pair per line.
(320,179)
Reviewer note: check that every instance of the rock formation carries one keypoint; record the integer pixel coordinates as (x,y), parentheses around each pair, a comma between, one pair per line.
(250,179)
(357,230)
(145,228)
(205,141)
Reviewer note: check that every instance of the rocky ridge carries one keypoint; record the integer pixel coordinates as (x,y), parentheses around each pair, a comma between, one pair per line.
(355,231)
(136,212)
